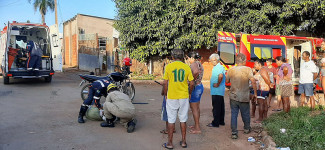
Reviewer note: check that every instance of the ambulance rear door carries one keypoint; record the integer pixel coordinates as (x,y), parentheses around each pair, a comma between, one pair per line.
(227,47)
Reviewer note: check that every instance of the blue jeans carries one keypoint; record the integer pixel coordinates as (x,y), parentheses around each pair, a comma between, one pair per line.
(244,110)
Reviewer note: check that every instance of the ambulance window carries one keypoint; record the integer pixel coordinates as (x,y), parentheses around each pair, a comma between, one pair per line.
(262,53)
(227,53)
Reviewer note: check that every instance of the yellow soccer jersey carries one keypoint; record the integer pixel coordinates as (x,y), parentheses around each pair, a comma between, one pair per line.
(178,73)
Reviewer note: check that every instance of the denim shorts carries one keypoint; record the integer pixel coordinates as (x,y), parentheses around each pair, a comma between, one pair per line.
(306,88)
(262,94)
(197,93)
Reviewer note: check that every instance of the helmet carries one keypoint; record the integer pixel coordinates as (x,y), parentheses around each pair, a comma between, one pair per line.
(111,85)
(127,61)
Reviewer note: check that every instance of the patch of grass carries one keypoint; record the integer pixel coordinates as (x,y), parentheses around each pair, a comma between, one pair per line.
(305,129)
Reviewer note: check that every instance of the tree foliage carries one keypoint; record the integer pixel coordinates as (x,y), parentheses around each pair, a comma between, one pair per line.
(42,6)
(154,27)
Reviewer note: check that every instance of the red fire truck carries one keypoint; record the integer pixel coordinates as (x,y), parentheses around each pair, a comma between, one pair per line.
(267,46)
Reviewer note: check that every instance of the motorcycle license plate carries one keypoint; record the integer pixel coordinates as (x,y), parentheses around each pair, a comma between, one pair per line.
(82,82)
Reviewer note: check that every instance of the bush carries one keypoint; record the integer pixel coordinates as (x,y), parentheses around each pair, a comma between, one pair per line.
(305,129)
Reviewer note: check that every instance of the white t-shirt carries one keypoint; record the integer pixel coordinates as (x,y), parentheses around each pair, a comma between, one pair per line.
(306,72)
(323,60)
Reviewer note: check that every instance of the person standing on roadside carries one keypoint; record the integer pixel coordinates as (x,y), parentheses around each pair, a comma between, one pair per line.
(308,73)
(284,76)
(239,77)
(263,78)
(217,91)
(176,77)
(323,71)
(197,71)
(272,72)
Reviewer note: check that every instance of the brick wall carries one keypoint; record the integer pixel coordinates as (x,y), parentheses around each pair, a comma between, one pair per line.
(66,51)
(158,64)
(74,59)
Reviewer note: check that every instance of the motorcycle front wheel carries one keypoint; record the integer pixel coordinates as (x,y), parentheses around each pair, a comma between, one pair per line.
(84,92)
(129,90)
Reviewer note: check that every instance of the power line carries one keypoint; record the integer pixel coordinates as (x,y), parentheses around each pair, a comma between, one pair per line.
(10,3)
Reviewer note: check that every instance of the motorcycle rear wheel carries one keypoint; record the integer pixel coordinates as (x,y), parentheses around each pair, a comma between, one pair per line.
(129,90)
(84,92)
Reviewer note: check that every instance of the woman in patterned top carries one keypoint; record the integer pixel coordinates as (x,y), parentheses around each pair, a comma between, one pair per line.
(197,71)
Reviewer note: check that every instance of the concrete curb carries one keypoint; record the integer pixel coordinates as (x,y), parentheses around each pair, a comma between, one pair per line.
(268,141)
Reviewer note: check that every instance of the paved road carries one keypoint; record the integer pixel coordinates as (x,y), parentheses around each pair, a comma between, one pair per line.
(38,115)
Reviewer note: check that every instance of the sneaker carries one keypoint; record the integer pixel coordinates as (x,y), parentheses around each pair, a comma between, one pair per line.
(234,136)
(108,123)
(131,126)
(246,131)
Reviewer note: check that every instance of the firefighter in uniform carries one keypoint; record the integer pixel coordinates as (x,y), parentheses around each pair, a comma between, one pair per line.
(96,90)
(119,105)
(35,56)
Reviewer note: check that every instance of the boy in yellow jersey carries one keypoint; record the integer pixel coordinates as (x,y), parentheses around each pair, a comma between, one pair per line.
(176,77)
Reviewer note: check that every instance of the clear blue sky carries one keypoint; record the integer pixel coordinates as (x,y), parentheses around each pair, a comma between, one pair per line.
(22,10)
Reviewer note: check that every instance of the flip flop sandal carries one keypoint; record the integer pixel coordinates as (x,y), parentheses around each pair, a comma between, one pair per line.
(257,121)
(165,146)
(211,125)
(165,132)
(194,132)
(181,143)
(191,127)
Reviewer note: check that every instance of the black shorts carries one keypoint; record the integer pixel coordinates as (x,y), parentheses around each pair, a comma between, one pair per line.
(272,91)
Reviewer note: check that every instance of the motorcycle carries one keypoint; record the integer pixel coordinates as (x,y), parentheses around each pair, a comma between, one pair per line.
(120,79)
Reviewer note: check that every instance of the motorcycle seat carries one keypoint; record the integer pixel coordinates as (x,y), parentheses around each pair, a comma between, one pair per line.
(92,78)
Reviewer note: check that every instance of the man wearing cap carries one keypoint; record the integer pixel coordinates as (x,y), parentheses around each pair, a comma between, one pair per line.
(119,105)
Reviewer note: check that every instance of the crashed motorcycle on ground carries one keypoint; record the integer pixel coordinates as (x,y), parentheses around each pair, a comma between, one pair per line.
(120,79)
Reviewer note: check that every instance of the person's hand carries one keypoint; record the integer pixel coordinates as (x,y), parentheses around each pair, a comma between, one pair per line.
(101,112)
(104,118)
(286,78)
(216,85)
(272,85)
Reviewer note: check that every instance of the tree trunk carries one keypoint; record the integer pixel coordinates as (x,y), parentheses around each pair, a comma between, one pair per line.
(43,18)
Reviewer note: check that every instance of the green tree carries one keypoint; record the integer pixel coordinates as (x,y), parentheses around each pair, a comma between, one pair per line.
(155,27)
(42,6)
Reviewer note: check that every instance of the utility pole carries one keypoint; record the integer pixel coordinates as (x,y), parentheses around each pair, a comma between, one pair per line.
(56,12)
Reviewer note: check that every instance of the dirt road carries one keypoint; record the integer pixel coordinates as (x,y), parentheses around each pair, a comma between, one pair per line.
(38,115)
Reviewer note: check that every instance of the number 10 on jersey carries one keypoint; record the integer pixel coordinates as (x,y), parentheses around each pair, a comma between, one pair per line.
(179,75)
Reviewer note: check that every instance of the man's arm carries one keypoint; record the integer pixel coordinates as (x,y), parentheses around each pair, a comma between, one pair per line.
(165,89)
(315,75)
(265,76)
(253,81)
(227,77)
(191,87)
(220,77)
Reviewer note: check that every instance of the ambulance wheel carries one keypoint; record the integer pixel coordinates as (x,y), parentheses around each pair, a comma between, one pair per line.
(5,80)
(48,79)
